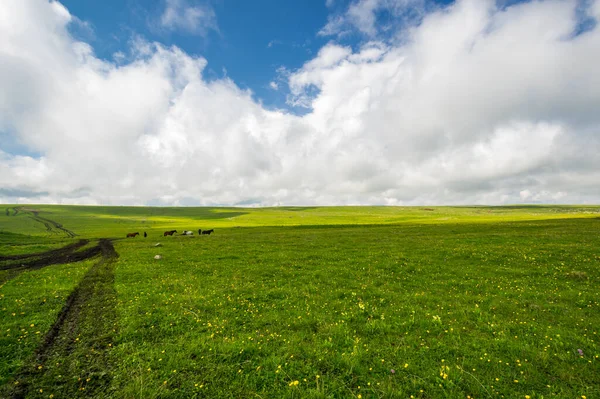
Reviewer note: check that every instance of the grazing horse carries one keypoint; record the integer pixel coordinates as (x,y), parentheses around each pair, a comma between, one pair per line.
(145,235)
(208,231)
(169,233)
(199,231)
(187,233)
(132,234)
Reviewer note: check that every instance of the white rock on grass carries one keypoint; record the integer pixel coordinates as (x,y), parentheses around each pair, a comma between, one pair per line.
(157,257)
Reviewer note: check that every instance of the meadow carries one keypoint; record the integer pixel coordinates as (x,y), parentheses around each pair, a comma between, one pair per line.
(314,302)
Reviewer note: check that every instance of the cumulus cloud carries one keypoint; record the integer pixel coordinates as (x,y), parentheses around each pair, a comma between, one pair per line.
(180,15)
(480,105)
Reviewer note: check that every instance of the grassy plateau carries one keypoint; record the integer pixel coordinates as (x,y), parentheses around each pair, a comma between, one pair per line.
(314,302)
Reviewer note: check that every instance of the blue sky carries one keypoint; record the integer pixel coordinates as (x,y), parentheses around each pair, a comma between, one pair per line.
(320,102)
(254,38)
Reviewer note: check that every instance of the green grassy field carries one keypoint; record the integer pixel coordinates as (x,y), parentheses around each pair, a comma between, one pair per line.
(326,302)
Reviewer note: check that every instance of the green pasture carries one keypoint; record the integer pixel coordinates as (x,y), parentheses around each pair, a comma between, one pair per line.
(97,221)
(326,302)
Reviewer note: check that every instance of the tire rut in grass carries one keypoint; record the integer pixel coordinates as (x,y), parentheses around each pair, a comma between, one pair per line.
(61,258)
(51,225)
(17,264)
(74,355)
(46,224)
(51,253)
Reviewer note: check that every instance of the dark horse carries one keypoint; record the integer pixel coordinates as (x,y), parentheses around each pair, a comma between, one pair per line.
(208,231)
(132,234)
(169,233)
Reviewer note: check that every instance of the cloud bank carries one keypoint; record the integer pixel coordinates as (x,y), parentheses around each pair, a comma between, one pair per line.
(476,104)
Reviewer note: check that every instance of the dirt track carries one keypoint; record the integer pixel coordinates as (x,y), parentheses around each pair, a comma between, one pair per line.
(50,225)
(80,296)
(48,254)
(56,259)
(79,340)
(16,264)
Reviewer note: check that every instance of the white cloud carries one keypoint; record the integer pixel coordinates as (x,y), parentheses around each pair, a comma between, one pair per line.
(481,105)
(595,9)
(362,16)
(180,15)
(335,26)
(60,11)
